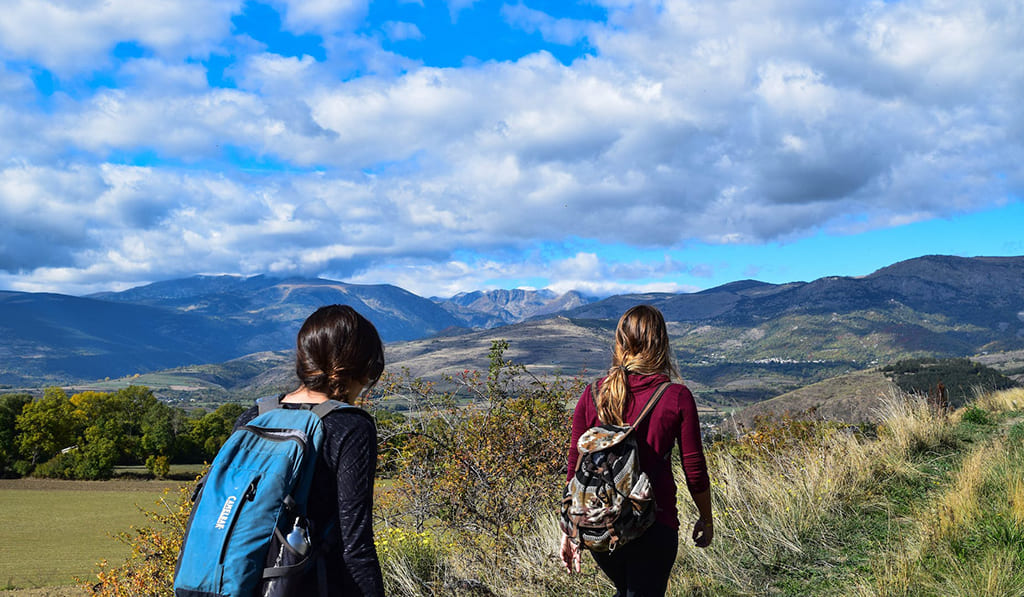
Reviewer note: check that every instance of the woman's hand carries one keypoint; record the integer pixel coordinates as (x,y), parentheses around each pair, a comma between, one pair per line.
(703,532)
(570,554)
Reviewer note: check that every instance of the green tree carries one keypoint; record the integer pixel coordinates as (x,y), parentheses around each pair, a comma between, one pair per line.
(11,405)
(97,456)
(47,426)
(160,426)
(210,431)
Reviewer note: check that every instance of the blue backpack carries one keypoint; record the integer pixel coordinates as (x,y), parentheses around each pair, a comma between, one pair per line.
(248,533)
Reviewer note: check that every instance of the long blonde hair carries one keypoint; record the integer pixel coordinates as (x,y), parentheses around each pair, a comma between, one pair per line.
(641,347)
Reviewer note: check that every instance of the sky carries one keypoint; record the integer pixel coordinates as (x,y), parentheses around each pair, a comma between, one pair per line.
(443,146)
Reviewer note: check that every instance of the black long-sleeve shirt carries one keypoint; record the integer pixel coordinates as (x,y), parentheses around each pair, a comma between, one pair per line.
(343,487)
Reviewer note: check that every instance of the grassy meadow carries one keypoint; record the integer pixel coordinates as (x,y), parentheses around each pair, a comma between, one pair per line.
(52,532)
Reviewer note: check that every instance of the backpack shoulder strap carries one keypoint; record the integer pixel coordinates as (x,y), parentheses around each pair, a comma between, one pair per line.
(268,403)
(594,390)
(650,405)
(325,408)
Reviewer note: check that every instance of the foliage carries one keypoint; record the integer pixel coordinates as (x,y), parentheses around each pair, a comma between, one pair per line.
(962,378)
(159,466)
(149,568)
(802,506)
(483,469)
(412,562)
(86,435)
(46,426)
(975,415)
(11,405)
(776,434)
(485,460)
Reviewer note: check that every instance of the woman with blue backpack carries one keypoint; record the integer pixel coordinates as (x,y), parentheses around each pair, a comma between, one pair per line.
(634,417)
(287,506)
(340,356)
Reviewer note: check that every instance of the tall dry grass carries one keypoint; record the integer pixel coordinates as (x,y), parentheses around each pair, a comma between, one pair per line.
(970,537)
(958,508)
(776,512)
(1001,401)
(910,425)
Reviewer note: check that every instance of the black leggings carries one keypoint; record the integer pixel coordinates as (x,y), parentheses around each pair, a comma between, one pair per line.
(641,567)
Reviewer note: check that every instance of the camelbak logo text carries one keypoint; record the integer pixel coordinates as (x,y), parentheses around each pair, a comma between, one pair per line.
(225,512)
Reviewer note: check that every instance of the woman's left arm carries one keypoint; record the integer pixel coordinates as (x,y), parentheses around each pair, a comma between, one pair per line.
(357,464)
(691,450)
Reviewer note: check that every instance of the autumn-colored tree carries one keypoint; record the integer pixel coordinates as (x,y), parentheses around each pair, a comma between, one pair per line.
(487,457)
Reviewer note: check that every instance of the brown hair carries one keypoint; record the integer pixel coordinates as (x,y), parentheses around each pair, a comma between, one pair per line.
(641,347)
(335,346)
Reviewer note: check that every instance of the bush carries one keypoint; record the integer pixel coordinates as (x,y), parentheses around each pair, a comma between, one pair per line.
(481,462)
(149,568)
(412,562)
(160,466)
(975,415)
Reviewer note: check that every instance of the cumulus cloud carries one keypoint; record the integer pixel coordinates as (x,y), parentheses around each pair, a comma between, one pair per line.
(741,122)
(69,37)
(559,31)
(321,16)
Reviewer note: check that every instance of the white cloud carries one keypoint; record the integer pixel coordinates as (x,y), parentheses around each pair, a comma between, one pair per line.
(559,31)
(736,122)
(71,37)
(321,16)
(401,31)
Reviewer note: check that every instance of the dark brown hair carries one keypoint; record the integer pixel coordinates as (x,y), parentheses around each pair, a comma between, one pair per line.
(641,347)
(335,346)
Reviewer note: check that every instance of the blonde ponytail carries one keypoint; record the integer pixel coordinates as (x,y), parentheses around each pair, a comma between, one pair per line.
(641,348)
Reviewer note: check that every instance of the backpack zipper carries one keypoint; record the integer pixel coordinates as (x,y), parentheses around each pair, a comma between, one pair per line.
(279,435)
(248,496)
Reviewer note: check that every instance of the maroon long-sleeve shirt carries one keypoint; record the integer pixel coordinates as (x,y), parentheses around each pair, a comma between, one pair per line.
(672,422)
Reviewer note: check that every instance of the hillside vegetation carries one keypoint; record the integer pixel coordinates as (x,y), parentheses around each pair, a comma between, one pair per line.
(923,503)
(855,397)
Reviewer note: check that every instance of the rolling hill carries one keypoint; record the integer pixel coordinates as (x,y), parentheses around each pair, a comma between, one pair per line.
(735,344)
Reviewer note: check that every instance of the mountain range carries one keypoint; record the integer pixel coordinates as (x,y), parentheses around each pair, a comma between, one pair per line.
(743,341)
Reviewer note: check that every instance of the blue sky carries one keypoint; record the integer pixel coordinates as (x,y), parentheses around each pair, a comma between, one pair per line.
(445,146)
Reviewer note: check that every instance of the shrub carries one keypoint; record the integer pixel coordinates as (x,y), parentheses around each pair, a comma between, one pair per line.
(480,462)
(160,466)
(149,568)
(412,562)
(975,415)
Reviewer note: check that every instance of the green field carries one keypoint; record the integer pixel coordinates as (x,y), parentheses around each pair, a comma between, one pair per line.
(54,531)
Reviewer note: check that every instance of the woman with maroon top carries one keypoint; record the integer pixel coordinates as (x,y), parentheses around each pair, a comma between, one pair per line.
(641,362)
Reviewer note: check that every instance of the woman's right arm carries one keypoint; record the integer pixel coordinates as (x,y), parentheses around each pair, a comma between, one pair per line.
(569,550)
(579,426)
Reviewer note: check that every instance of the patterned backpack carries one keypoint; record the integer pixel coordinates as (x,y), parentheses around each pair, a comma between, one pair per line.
(608,502)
